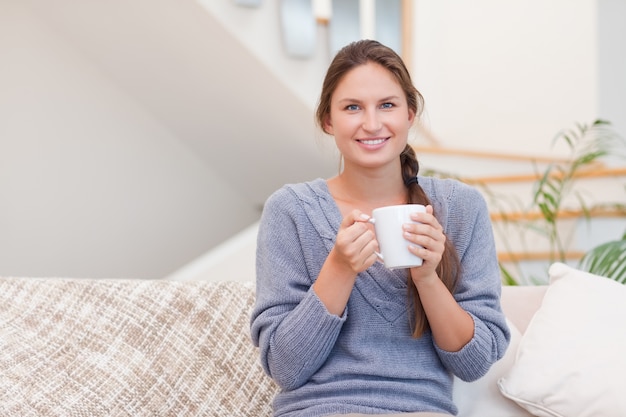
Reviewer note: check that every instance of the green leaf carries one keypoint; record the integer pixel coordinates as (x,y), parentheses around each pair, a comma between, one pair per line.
(507,277)
(607,259)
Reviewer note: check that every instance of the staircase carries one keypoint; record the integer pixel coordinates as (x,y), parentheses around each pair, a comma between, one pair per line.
(506,180)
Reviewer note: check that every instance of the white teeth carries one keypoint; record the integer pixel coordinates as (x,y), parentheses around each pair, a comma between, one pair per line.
(373,141)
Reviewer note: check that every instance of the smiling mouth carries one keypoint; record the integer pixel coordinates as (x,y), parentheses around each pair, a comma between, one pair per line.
(372,141)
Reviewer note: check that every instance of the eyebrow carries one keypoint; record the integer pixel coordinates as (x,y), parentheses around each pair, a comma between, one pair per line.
(354,100)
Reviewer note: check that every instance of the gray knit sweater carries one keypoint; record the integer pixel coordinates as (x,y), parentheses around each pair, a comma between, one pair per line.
(366,361)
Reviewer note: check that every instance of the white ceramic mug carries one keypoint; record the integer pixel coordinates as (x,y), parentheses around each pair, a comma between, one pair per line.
(394,248)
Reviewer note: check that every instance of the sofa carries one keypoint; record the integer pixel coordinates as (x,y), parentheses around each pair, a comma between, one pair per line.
(87,347)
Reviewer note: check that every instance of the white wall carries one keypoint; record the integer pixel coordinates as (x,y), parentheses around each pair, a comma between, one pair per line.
(506,75)
(91,185)
(612,62)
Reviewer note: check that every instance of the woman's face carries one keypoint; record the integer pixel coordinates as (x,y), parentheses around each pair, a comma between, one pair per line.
(369,117)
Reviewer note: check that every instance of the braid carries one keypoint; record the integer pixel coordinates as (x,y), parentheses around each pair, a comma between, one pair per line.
(449,267)
(410,166)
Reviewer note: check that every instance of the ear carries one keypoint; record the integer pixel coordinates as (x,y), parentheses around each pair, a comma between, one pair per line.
(411,116)
(328,126)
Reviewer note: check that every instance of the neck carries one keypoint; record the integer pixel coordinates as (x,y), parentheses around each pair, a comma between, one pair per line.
(374,188)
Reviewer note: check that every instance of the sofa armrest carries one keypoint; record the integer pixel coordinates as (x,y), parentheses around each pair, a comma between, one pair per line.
(520,302)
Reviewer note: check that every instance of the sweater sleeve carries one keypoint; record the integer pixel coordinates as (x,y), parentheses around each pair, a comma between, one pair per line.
(479,287)
(289,323)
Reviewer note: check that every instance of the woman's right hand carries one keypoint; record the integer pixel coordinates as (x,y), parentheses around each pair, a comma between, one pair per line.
(354,251)
(356,244)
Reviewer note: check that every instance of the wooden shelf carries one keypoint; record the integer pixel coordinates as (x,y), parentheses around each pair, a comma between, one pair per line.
(536,256)
(502,156)
(589,173)
(564,214)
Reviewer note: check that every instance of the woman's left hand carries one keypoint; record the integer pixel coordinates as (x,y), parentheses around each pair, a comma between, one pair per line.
(428,234)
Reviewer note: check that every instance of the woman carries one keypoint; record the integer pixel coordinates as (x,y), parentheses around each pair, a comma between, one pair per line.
(339,332)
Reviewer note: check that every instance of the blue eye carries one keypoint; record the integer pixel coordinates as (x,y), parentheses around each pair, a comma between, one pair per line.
(387,105)
(352,107)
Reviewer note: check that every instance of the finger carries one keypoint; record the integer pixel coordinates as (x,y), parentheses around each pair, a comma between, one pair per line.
(429,258)
(359,250)
(354,234)
(412,230)
(370,252)
(353,217)
(425,236)
(424,218)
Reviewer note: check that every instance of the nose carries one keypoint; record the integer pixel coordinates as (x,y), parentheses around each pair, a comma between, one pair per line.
(371,121)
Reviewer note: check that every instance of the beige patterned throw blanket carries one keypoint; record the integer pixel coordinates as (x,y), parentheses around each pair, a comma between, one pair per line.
(79,347)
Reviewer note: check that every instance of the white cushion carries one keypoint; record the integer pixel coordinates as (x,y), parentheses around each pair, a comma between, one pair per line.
(571,360)
(482,398)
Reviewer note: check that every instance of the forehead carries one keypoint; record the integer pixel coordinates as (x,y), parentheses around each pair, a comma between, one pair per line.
(367,80)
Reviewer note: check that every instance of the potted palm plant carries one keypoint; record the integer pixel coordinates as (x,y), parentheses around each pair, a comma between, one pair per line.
(589,146)
(556,186)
